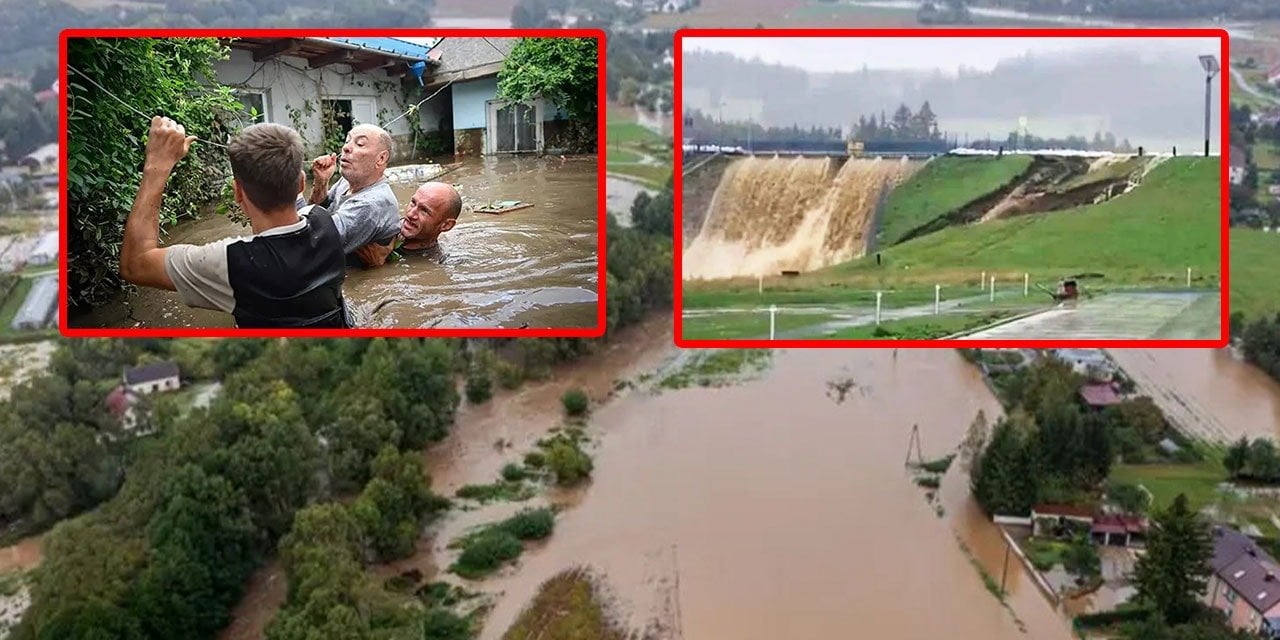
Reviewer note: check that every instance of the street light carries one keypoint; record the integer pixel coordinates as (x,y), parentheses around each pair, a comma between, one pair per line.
(1211,68)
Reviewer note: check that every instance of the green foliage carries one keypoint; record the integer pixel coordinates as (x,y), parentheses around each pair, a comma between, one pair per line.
(575,402)
(1081,558)
(483,554)
(569,463)
(534,460)
(480,382)
(1262,345)
(567,606)
(1129,497)
(561,70)
(502,490)
(512,472)
(1237,457)
(105,142)
(442,624)
(530,524)
(394,504)
(1003,479)
(413,380)
(1174,571)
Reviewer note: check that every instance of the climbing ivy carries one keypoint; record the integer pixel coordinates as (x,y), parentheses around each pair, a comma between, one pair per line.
(106,139)
(563,71)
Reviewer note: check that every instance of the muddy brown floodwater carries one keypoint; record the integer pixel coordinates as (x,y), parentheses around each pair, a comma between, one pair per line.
(536,266)
(1206,391)
(767,510)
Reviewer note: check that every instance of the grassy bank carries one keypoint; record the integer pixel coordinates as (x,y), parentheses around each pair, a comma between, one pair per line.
(922,328)
(1148,237)
(1255,259)
(630,143)
(566,607)
(942,186)
(1165,481)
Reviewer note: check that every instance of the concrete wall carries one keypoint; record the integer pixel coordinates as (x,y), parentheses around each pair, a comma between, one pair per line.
(469,100)
(286,86)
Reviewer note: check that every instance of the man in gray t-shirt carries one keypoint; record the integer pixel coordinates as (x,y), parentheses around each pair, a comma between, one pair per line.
(363,206)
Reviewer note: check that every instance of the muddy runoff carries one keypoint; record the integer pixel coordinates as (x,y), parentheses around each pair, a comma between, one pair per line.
(536,266)
(1208,393)
(763,510)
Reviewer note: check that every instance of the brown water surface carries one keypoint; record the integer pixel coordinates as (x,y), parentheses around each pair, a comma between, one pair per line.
(536,266)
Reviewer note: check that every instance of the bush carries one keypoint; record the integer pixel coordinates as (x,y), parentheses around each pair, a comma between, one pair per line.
(513,472)
(485,553)
(568,462)
(479,385)
(534,460)
(442,624)
(510,376)
(575,402)
(929,481)
(534,524)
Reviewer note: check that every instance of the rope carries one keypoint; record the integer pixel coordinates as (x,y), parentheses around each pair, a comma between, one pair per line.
(129,106)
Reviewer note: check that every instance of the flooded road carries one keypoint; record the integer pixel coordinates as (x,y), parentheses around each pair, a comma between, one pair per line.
(787,515)
(536,266)
(25,554)
(1207,392)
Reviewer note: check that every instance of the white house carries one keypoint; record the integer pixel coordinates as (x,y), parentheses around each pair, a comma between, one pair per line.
(43,160)
(295,81)
(1239,166)
(157,376)
(1093,363)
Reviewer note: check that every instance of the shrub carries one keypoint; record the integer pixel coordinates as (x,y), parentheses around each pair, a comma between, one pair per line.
(534,460)
(568,462)
(575,402)
(479,387)
(513,472)
(485,553)
(510,376)
(442,624)
(534,524)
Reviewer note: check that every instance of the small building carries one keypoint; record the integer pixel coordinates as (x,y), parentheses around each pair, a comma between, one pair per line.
(1119,530)
(1099,396)
(1245,584)
(42,161)
(45,250)
(1239,166)
(157,376)
(470,116)
(297,81)
(120,403)
(1092,363)
(39,306)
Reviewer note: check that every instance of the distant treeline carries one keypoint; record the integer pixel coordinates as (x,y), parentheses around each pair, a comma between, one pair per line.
(1149,9)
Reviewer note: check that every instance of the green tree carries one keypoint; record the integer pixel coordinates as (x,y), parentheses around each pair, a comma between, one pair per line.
(1174,571)
(1081,558)
(575,402)
(1003,479)
(1237,457)
(394,504)
(1263,461)
(567,462)
(1129,497)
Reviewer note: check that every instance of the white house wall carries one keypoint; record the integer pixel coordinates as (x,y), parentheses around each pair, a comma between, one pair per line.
(287,81)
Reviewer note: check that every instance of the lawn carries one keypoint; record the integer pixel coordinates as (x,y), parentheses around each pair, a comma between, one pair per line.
(1044,554)
(1165,481)
(620,155)
(745,324)
(1267,156)
(653,176)
(1148,237)
(698,295)
(624,133)
(1255,259)
(921,328)
(942,186)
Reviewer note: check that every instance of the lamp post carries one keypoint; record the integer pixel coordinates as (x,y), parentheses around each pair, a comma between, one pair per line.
(1211,68)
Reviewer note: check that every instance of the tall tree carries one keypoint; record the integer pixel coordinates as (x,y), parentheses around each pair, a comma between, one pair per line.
(1175,570)
(1004,478)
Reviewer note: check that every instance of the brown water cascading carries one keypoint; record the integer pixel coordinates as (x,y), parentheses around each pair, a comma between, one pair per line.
(774,214)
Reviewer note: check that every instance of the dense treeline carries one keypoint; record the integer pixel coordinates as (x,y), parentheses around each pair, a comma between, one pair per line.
(1251,205)
(1260,341)
(1051,448)
(637,73)
(208,496)
(905,125)
(29,33)
(1146,9)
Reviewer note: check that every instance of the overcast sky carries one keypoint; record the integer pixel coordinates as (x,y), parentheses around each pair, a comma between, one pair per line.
(829,54)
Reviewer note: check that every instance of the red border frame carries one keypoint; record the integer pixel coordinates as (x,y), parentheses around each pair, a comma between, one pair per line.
(602,210)
(950,33)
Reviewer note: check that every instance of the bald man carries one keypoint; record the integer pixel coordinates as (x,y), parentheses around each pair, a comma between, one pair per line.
(363,206)
(432,211)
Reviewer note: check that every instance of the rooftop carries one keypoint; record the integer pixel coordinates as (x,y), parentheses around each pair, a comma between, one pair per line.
(1068,510)
(1099,395)
(150,372)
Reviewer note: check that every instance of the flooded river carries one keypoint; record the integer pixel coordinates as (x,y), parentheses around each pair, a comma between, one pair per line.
(536,266)
(785,515)
(1207,391)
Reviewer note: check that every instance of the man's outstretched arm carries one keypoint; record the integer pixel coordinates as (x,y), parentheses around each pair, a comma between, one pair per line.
(141,257)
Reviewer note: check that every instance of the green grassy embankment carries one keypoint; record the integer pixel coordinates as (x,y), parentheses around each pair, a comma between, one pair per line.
(942,186)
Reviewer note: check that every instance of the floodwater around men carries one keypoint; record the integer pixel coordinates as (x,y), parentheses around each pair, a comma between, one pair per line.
(535,266)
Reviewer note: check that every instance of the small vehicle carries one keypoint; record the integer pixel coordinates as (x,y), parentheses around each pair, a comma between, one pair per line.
(1067,290)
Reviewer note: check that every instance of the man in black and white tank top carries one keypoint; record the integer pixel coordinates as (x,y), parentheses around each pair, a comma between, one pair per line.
(289,273)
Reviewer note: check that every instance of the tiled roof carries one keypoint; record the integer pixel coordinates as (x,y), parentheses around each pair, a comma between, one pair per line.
(150,373)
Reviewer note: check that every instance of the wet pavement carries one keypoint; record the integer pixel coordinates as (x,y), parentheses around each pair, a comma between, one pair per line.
(535,267)
(1189,315)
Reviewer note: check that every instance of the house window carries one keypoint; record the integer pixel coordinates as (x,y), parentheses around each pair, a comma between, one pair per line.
(255,106)
(1231,596)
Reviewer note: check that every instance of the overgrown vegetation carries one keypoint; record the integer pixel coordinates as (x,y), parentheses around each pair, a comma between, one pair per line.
(561,70)
(566,607)
(105,144)
(717,368)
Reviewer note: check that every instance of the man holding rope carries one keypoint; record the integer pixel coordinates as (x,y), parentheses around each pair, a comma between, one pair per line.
(289,273)
(364,208)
